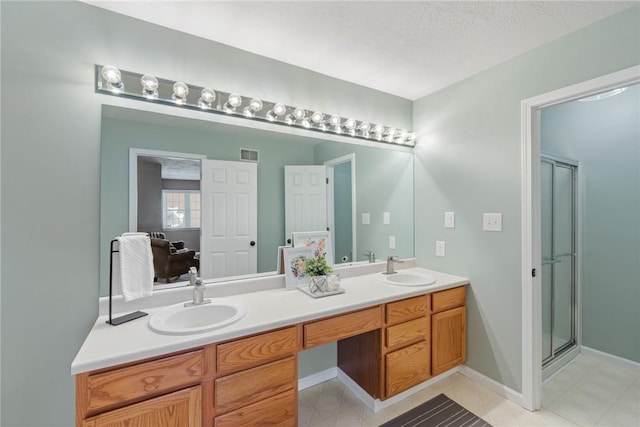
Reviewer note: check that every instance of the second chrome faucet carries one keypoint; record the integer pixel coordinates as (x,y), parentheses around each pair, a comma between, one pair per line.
(198,289)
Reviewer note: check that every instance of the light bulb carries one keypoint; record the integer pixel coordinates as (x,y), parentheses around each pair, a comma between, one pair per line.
(277,111)
(411,138)
(149,86)
(317,117)
(364,129)
(233,101)
(180,92)
(335,121)
(378,129)
(391,134)
(349,124)
(306,123)
(298,113)
(113,77)
(207,96)
(255,105)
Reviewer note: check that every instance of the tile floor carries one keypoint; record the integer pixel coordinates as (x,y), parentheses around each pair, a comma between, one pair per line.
(590,392)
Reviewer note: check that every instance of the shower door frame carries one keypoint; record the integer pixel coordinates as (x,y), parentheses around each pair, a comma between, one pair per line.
(572,348)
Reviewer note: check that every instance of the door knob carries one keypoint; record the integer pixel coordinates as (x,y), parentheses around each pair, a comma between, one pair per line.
(252,243)
(288,241)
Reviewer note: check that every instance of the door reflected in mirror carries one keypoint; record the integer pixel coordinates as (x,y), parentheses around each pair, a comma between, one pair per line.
(362,179)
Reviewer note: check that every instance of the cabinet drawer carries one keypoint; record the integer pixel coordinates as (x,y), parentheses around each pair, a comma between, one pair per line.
(248,352)
(244,388)
(407,309)
(406,367)
(342,326)
(450,298)
(181,408)
(123,385)
(279,410)
(413,330)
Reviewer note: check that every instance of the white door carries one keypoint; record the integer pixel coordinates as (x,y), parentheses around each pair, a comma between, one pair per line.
(229,227)
(305,199)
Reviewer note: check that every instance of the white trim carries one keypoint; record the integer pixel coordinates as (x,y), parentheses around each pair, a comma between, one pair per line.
(560,364)
(616,360)
(351,158)
(531,298)
(134,153)
(376,404)
(491,384)
(317,378)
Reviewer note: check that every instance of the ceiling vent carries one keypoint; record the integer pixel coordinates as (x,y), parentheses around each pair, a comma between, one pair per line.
(249,155)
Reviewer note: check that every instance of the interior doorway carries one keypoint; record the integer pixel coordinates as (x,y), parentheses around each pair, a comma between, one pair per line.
(532,222)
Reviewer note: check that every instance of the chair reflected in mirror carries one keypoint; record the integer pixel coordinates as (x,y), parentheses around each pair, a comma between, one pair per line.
(171,259)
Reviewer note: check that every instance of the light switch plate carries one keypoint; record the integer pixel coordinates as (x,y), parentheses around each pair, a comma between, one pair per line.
(492,222)
(386,218)
(392,242)
(440,248)
(366,219)
(449,220)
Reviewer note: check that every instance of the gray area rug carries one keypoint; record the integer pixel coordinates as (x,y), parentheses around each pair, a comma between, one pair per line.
(437,412)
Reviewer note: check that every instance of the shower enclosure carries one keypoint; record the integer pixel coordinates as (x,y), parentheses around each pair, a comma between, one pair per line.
(559,204)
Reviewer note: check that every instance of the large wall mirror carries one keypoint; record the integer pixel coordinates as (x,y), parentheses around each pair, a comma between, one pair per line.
(161,174)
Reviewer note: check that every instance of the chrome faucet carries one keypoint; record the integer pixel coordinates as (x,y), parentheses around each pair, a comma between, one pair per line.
(390,261)
(198,289)
(371,256)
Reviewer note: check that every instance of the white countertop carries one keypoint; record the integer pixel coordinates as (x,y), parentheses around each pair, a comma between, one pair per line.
(108,345)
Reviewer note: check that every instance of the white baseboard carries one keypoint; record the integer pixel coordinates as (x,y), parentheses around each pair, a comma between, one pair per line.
(492,385)
(317,378)
(616,360)
(376,404)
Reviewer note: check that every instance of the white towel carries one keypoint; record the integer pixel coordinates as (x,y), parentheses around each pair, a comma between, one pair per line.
(136,265)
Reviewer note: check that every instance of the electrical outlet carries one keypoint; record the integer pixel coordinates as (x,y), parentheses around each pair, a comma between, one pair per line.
(492,222)
(440,248)
(449,220)
(392,242)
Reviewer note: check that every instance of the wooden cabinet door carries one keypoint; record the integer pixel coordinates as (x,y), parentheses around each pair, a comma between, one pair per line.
(448,339)
(406,367)
(179,409)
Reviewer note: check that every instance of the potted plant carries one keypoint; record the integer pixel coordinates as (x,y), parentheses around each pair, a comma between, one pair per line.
(317,269)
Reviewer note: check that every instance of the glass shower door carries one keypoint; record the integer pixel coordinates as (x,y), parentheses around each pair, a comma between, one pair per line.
(559,214)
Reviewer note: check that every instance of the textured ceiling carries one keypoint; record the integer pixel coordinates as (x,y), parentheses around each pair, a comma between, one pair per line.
(409,49)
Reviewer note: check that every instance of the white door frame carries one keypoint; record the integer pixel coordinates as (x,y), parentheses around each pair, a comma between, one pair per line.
(530,204)
(330,164)
(134,153)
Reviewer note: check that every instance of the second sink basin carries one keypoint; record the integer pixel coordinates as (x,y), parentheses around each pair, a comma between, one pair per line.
(180,320)
(406,278)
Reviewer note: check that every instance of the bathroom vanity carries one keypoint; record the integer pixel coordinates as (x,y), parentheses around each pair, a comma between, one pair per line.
(390,338)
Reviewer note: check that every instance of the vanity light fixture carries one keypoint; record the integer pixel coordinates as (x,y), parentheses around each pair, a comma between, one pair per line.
(112,81)
(149,86)
(180,92)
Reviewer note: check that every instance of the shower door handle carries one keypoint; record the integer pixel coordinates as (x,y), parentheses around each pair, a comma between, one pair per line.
(547,261)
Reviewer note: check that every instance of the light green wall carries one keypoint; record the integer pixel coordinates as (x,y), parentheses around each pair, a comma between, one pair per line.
(342,207)
(604,136)
(468,161)
(384,183)
(51,140)
(216,141)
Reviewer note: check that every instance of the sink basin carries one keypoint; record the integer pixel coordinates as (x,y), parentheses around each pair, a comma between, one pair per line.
(180,320)
(403,278)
